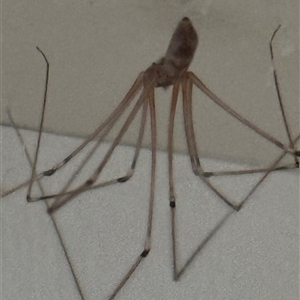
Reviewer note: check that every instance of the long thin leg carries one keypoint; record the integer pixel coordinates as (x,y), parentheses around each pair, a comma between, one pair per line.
(138,146)
(125,178)
(78,170)
(187,85)
(41,125)
(62,200)
(203,244)
(114,116)
(245,172)
(187,91)
(30,161)
(287,128)
(187,98)
(232,112)
(147,245)
(172,197)
(271,168)
(178,273)
(253,171)
(110,121)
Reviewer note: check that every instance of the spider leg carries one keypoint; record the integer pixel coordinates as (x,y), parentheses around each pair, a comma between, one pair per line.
(271,169)
(196,81)
(147,244)
(53,219)
(114,116)
(187,85)
(172,197)
(287,128)
(91,181)
(122,179)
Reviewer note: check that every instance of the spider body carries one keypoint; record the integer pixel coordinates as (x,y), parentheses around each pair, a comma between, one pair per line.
(178,57)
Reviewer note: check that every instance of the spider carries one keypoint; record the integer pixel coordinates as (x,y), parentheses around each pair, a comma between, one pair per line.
(171,70)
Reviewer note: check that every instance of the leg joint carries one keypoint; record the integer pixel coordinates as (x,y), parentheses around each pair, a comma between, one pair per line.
(123,179)
(49,172)
(145,253)
(89,182)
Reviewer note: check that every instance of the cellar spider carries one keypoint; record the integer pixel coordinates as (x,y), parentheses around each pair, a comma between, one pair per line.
(171,70)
